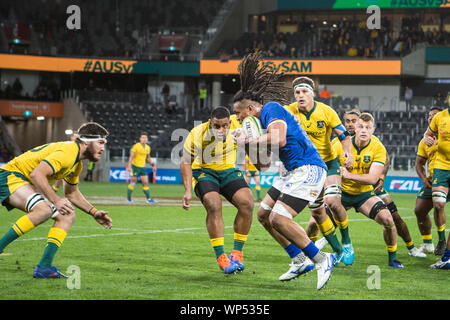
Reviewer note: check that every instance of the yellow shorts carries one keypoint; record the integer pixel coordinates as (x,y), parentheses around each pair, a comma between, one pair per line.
(9,183)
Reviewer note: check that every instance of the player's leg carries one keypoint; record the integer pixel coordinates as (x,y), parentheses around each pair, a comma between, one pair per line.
(38,211)
(300,264)
(423,206)
(241,198)
(327,228)
(439,193)
(303,187)
(284,211)
(402,228)
(312,230)
(133,181)
(263,215)
(55,239)
(247,177)
(375,209)
(332,198)
(146,189)
(57,184)
(258,185)
(208,193)
(444,262)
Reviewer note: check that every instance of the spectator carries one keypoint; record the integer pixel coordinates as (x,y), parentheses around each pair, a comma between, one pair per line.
(165,93)
(439,99)
(352,51)
(325,93)
(17,88)
(91,85)
(408,97)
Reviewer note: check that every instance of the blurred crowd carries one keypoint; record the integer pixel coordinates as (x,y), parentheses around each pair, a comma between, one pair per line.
(108,28)
(46,90)
(340,39)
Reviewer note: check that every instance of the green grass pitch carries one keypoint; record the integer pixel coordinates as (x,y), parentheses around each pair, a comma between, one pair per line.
(162,252)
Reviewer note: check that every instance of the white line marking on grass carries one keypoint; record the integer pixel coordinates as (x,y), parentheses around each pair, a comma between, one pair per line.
(183,230)
(123,233)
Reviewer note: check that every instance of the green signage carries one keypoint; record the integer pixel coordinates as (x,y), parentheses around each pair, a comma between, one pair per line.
(360,4)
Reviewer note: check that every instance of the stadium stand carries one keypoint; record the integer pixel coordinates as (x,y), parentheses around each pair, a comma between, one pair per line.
(342,38)
(137,113)
(127,28)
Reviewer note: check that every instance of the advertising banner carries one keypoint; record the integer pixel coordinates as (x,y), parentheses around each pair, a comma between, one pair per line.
(163,176)
(314,67)
(45,109)
(402,184)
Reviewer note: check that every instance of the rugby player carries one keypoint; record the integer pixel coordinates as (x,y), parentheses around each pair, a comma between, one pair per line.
(358,181)
(208,167)
(25,185)
(439,129)
(139,155)
(305,170)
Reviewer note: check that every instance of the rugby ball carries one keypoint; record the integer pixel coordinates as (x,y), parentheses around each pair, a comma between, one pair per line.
(252,127)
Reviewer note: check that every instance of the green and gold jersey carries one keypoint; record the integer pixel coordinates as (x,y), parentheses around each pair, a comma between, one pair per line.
(440,125)
(373,152)
(250,166)
(141,154)
(428,153)
(63,158)
(208,153)
(318,124)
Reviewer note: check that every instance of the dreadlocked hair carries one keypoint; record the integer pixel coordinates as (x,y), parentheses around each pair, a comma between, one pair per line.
(261,84)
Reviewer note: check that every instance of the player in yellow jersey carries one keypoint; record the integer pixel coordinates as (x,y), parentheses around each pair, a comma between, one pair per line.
(424,202)
(320,121)
(25,185)
(350,118)
(59,183)
(208,165)
(252,171)
(139,156)
(358,180)
(439,129)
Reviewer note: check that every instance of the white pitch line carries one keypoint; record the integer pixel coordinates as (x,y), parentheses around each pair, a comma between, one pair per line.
(182,230)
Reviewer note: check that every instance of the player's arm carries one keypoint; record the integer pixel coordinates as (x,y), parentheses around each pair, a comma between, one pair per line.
(344,137)
(276,135)
(76,197)
(380,182)
(369,178)
(39,178)
(186,177)
(429,137)
(150,162)
(420,169)
(131,159)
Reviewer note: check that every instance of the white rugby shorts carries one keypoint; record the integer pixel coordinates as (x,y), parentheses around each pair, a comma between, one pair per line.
(305,182)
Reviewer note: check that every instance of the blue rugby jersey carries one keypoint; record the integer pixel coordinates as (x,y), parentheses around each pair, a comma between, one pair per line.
(299,150)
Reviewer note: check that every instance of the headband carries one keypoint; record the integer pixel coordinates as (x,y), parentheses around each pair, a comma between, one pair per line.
(304,85)
(91,137)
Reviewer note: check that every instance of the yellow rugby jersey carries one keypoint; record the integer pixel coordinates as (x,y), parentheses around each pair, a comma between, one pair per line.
(63,157)
(234,122)
(336,140)
(250,166)
(428,153)
(318,124)
(209,153)
(374,151)
(141,154)
(440,125)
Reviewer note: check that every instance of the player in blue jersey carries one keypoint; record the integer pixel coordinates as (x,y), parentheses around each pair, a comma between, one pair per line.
(305,169)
